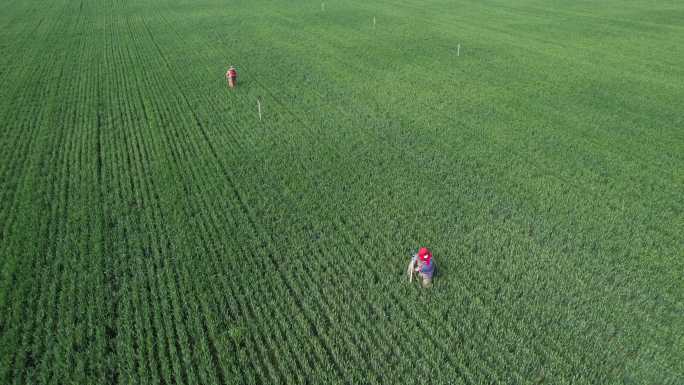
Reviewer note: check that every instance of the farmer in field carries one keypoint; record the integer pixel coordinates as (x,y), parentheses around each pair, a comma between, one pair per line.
(422,266)
(231,77)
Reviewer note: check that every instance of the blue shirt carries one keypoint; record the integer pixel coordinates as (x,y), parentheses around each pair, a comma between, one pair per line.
(426,269)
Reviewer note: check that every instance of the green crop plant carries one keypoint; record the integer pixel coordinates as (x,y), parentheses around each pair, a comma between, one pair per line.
(159,228)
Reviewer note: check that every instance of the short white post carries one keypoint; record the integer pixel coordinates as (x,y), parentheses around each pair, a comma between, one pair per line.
(259,108)
(373,21)
(458,50)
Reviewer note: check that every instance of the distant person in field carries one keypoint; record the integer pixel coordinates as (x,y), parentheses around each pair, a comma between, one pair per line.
(231,77)
(422,266)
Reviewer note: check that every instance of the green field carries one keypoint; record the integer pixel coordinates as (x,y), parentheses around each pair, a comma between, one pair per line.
(153,230)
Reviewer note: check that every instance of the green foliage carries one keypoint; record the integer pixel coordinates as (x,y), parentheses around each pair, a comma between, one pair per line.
(154,230)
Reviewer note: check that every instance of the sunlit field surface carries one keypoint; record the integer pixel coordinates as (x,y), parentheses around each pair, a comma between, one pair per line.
(155,230)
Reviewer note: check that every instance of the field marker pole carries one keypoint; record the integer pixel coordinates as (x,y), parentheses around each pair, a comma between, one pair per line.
(373,21)
(259,108)
(458,50)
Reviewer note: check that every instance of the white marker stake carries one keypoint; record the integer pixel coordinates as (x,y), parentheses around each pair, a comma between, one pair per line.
(259,108)
(458,50)
(373,21)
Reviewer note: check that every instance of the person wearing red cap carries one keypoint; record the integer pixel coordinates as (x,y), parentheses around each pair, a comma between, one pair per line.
(423,265)
(231,77)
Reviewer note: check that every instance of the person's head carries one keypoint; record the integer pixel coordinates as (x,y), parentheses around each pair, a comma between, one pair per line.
(424,255)
(232,68)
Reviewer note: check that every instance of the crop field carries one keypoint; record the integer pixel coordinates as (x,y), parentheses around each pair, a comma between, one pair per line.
(155,229)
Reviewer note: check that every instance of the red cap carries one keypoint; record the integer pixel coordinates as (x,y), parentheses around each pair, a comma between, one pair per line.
(424,254)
